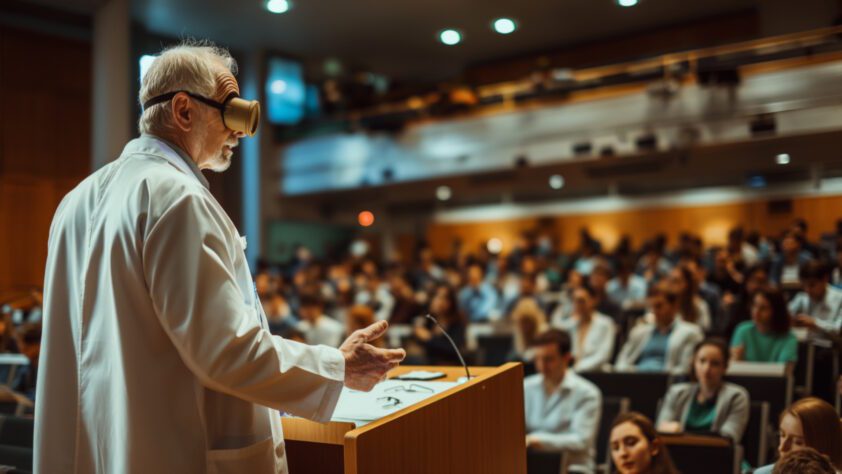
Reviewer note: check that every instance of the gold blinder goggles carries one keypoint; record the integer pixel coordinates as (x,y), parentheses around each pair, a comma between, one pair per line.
(238,114)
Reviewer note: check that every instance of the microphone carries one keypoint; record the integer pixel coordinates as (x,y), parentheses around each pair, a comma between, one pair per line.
(431,318)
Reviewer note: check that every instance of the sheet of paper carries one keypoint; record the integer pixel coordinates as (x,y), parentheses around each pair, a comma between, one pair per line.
(386,398)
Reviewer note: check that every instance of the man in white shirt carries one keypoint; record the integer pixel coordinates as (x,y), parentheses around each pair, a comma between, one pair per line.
(562,408)
(156,355)
(819,306)
(317,327)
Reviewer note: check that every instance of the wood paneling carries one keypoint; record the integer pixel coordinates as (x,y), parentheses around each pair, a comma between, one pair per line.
(711,222)
(44,144)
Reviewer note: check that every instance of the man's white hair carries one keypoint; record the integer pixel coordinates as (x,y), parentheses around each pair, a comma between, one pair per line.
(191,66)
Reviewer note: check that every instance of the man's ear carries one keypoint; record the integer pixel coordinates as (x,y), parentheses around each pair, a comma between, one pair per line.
(655,448)
(183,112)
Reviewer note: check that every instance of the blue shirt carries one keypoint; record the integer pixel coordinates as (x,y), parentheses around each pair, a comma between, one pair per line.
(654,355)
(478,304)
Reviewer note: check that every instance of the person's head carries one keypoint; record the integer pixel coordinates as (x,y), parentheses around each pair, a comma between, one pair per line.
(636,447)
(552,354)
(475,275)
(710,361)
(757,277)
(599,276)
(529,319)
(815,276)
(203,71)
(804,461)
(311,305)
(769,311)
(29,341)
(443,304)
(663,303)
(811,422)
(584,301)
(791,244)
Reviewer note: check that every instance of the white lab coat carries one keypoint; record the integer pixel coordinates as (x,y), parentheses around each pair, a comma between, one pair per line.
(155,354)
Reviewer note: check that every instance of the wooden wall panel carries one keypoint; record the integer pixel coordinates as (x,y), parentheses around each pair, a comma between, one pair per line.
(45,131)
(711,222)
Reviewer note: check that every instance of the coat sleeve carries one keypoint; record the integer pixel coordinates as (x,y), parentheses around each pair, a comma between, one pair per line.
(735,421)
(601,354)
(190,272)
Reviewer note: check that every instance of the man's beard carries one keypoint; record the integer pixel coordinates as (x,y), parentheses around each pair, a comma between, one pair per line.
(222,161)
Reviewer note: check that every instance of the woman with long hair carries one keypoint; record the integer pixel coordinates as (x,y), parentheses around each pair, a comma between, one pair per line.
(708,403)
(636,447)
(767,337)
(444,307)
(812,423)
(692,307)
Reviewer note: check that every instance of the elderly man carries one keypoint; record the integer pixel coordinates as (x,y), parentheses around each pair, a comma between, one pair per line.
(156,354)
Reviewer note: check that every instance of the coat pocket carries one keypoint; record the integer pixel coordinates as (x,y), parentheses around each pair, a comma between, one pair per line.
(256,458)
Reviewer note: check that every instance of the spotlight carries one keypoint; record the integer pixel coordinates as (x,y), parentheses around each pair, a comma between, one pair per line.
(365,218)
(450,37)
(556,181)
(494,246)
(279,86)
(443,193)
(783,159)
(504,26)
(627,3)
(278,6)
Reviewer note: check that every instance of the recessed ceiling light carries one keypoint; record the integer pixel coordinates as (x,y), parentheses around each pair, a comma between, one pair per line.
(783,159)
(504,26)
(450,37)
(494,246)
(627,3)
(277,6)
(365,218)
(556,181)
(443,193)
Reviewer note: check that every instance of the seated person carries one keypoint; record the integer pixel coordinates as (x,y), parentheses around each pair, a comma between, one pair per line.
(478,299)
(812,423)
(315,325)
(737,307)
(278,314)
(598,282)
(592,332)
(766,338)
(707,403)
(786,266)
(804,461)
(691,307)
(436,349)
(636,447)
(29,341)
(627,289)
(361,316)
(819,306)
(666,345)
(529,321)
(562,408)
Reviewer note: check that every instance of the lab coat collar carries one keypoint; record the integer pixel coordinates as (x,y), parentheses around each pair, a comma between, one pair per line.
(174,154)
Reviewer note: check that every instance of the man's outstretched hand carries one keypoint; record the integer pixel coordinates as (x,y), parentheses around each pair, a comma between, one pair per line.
(366,365)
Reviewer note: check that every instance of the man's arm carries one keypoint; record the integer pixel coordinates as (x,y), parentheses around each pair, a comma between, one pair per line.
(583,427)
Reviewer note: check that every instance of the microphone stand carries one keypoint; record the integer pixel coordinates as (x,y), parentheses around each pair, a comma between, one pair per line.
(467,373)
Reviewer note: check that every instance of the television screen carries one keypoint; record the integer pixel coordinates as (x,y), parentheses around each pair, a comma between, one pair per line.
(286,93)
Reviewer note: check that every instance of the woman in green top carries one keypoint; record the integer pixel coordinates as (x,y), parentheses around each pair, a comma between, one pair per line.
(766,338)
(707,403)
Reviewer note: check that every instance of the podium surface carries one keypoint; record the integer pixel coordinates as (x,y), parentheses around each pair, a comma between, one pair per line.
(476,426)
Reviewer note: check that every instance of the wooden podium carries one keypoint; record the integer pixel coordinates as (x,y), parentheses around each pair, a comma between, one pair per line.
(477,426)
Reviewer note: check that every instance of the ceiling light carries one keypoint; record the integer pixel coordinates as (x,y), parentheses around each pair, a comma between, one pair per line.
(627,3)
(365,218)
(277,6)
(443,193)
(494,246)
(556,181)
(783,159)
(450,37)
(504,26)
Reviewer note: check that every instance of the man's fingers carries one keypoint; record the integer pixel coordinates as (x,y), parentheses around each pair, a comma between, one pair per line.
(375,330)
(392,355)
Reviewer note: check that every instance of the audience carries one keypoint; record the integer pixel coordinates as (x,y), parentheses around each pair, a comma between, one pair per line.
(636,447)
(437,349)
(819,306)
(809,423)
(562,408)
(665,345)
(707,403)
(478,299)
(361,316)
(767,337)
(627,289)
(691,306)
(592,332)
(529,321)
(315,325)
